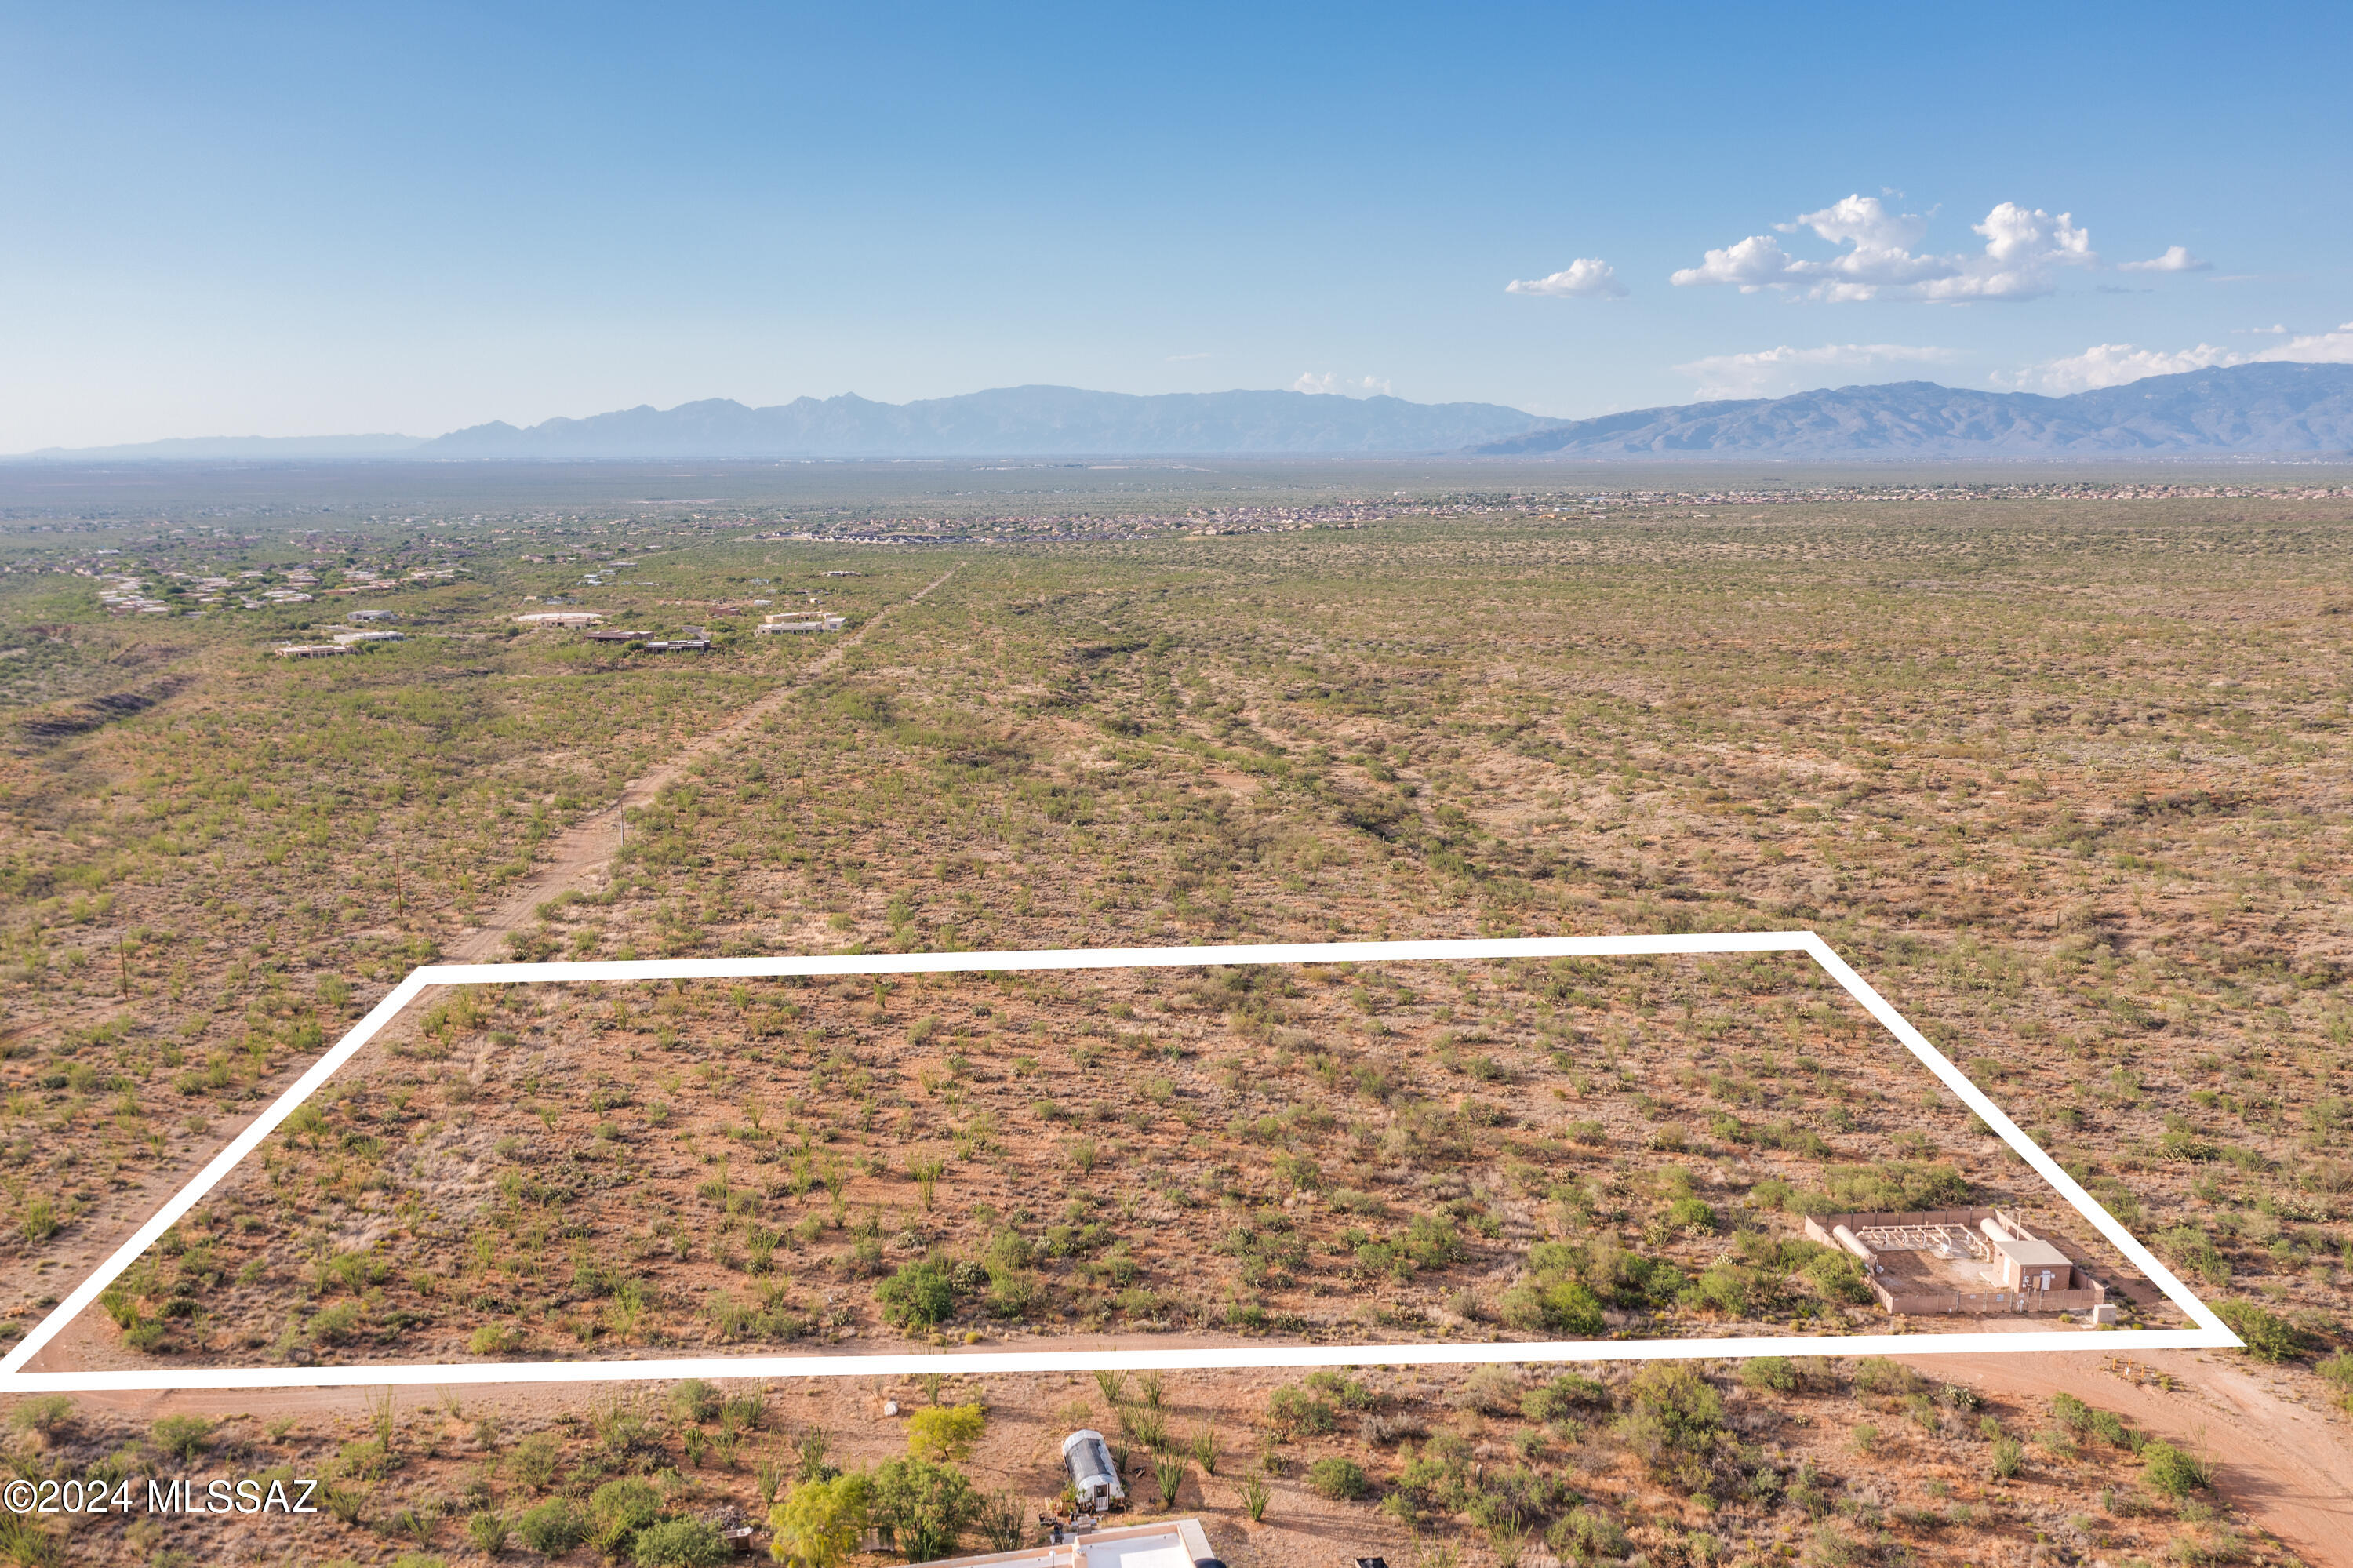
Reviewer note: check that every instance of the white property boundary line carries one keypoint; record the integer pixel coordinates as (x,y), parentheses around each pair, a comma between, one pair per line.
(2211,1333)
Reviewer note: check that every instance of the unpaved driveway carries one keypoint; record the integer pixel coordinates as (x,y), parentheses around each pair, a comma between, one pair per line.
(2287,1465)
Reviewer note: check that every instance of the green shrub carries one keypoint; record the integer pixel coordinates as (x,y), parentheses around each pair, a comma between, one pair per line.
(1838,1275)
(534,1459)
(1561,1306)
(554,1527)
(618,1509)
(1560,1398)
(925,1506)
(2269,1336)
(1355,1395)
(1586,1532)
(694,1400)
(1002,1522)
(1892,1184)
(1729,1287)
(1342,1480)
(1494,1388)
(918,1296)
(2194,1252)
(1674,1422)
(818,1523)
(680,1543)
(1691,1214)
(490,1339)
(488,1532)
(1297,1412)
(1778,1373)
(45,1415)
(1168,1478)
(1878,1375)
(945,1431)
(2173,1472)
(1432,1241)
(183,1436)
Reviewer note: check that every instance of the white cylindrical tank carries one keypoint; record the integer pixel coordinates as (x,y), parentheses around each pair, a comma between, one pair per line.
(1088,1458)
(1848,1240)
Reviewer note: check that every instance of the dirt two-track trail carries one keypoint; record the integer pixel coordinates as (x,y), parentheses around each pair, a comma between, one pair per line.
(580,856)
(583,851)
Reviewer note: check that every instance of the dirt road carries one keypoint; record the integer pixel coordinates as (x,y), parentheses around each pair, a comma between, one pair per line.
(585,849)
(2290,1468)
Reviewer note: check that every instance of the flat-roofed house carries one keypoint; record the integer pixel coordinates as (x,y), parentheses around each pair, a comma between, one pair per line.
(2028,1262)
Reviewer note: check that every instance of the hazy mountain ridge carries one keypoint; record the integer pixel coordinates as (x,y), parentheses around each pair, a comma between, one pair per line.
(2252,409)
(2267,410)
(215,449)
(1005,421)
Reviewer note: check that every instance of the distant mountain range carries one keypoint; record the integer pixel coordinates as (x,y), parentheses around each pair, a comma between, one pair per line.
(1012,421)
(231,449)
(2264,409)
(2272,409)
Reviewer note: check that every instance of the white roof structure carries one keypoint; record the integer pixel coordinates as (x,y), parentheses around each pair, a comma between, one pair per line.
(1166,1544)
(2026,1252)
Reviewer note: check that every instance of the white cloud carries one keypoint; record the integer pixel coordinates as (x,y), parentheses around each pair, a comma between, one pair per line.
(1774,371)
(2274,330)
(2175,259)
(1751,265)
(2025,248)
(2318,348)
(2113,363)
(1326,382)
(1586,278)
(1863,220)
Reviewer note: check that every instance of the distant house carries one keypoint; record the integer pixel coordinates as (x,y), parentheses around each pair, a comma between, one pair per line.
(559,618)
(799,620)
(315,649)
(695,637)
(358,615)
(354,638)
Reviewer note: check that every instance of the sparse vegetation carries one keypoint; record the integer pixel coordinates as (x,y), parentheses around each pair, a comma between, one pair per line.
(1975,737)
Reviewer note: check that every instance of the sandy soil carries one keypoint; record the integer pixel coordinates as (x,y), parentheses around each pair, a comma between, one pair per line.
(2284,1463)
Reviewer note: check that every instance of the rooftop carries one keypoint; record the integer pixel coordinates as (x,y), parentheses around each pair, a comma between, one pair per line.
(1164,1543)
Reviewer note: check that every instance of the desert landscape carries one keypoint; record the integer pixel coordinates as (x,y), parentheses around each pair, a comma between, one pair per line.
(2057,766)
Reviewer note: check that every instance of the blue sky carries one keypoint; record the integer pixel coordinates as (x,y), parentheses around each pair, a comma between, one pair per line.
(237,219)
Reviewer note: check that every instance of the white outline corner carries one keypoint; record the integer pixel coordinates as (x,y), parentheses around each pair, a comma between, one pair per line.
(2211,1332)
